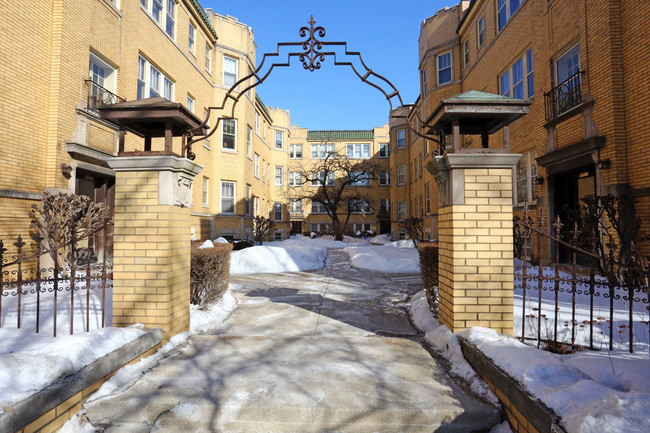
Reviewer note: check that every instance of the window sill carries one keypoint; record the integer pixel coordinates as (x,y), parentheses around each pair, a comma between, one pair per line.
(226,150)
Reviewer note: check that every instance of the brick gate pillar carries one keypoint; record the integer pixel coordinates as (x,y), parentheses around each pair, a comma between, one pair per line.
(151,268)
(475,239)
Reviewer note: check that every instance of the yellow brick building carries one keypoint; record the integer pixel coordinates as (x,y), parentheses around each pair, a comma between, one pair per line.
(580,64)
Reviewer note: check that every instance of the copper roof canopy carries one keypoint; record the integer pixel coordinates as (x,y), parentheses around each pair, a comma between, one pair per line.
(149,118)
(476,113)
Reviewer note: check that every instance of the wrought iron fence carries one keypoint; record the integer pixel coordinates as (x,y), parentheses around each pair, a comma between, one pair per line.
(564,96)
(39,297)
(99,96)
(590,300)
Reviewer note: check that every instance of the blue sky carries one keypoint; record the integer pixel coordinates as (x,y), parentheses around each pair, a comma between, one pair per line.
(385,32)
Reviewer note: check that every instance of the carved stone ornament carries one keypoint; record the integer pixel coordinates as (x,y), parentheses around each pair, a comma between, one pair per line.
(183,191)
(444,195)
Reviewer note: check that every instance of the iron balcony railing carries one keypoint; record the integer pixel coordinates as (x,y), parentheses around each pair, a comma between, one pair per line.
(99,96)
(564,96)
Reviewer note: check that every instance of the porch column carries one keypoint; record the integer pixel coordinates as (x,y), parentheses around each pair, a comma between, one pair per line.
(475,240)
(151,271)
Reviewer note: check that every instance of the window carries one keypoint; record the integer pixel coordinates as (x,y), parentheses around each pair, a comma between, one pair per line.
(256,206)
(512,82)
(506,9)
(170,18)
(401,138)
(525,179)
(320,151)
(159,9)
(191,40)
(421,207)
(204,191)
(384,178)
(358,150)
(263,170)
(427,198)
(321,228)
(359,227)
(277,211)
(420,163)
(229,127)
(444,68)
(384,205)
(257,166)
(568,64)
(401,175)
(103,75)
(152,79)
(481,32)
(359,178)
(415,168)
(295,151)
(229,71)
(401,236)
(190,103)
(465,54)
(249,140)
(279,175)
(318,179)
(295,178)
(295,207)
(208,59)
(423,80)
(384,150)
(257,123)
(426,147)
(358,206)
(248,200)
(227,197)
(401,210)
(279,139)
(277,236)
(317,207)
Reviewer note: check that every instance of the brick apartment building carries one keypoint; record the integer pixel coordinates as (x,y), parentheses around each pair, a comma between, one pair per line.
(83,54)
(580,63)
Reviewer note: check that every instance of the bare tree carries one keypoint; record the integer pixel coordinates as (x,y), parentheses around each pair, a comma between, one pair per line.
(339,184)
(413,228)
(262,226)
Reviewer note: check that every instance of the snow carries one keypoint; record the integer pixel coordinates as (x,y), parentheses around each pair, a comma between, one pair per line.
(30,362)
(380,239)
(392,257)
(210,319)
(206,244)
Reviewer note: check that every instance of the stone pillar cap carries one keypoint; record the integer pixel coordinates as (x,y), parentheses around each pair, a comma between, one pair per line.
(472,160)
(154,163)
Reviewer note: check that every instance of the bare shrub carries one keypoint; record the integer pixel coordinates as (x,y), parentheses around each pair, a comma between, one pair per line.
(209,273)
(413,228)
(428,252)
(262,227)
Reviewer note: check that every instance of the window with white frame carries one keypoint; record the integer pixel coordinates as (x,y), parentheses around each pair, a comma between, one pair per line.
(277,235)
(170,18)
(227,197)
(192,39)
(420,163)
(358,150)
(384,150)
(401,236)
(481,31)
(525,179)
(401,138)
(247,202)
(295,151)
(317,207)
(295,207)
(204,192)
(466,53)
(384,206)
(423,80)
(358,206)
(401,175)
(321,227)
(359,227)
(505,11)
(443,62)
(384,178)
(514,82)
(257,123)
(277,211)
(256,206)
(279,175)
(256,171)
(421,207)
(249,141)
(161,10)
(268,172)
(320,151)
(401,210)
(318,179)
(102,74)
(208,58)
(427,198)
(152,82)
(229,126)
(190,103)
(295,178)
(263,170)
(279,139)
(567,65)
(229,71)
(359,178)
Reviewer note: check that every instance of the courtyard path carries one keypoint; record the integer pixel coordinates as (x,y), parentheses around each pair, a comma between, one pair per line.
(324,351)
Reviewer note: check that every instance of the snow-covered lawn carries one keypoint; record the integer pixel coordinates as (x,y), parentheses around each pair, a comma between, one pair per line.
(388,257)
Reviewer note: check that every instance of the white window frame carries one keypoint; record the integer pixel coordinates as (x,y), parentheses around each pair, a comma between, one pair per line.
(247,199)
(439,57)
(321,151)
(279,134)
(401,174)
(401,210)
(358,151)
(170,17)
(191,41)
(249,141)
(509,12)
(401,138)
(277,235)
(318,179)
(190,103)
(208,58)
(384,206)
(164,17)
(358,206)
(524,179)
(256,171)
(205,197)
(294,150)
(163,85)
(257,123)
(384,150)
(318,207)
(480,32)
(224,125)
(384,178)
(277,205)
(466,53)
(228,75)
(295,178)
(279,175)
(507,84)
(363,180)
(295,207)
(225,183)
(427,198)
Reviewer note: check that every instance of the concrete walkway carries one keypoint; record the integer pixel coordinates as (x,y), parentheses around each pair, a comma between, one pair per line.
(326,351)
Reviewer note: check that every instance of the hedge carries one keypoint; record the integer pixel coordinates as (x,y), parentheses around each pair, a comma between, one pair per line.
(209,273)
(429,267)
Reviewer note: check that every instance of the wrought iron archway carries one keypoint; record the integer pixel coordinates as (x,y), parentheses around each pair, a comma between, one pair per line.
(310,52)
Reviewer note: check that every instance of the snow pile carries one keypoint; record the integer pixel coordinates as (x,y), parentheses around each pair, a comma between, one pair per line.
(211,319)
(30,362)
(206,244)
(380,239)
(591,391)
(390,258)
(285,256)
(407,243)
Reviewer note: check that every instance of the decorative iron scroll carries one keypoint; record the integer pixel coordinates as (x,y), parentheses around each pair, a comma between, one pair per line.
(311,52)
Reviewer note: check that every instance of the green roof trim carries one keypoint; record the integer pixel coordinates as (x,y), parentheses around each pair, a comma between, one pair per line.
(266,110)
(204,17)
(341,135)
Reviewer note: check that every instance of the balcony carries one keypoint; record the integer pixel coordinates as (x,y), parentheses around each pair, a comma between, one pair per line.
(564,97)
(98,96)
